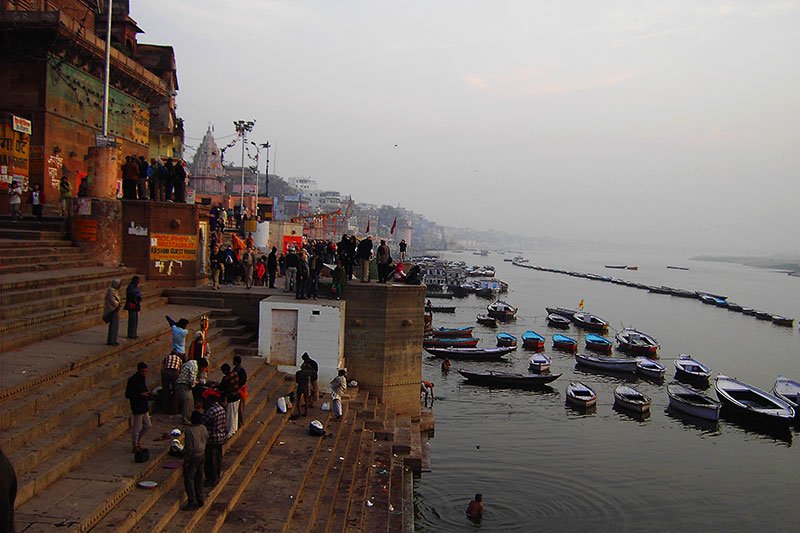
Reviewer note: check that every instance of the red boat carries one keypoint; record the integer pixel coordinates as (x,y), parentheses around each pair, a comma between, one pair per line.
(448,342)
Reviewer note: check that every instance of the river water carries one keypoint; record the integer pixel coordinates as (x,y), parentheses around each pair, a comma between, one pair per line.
(543,466)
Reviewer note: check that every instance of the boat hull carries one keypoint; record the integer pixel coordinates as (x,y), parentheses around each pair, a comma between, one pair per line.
(558,321)
(450,342)
(609,364)
(628,404)
(487,321)
(470,354)
(453,332)
(578,397)
(598,347)
(745,400)
(504,379)
(693,403)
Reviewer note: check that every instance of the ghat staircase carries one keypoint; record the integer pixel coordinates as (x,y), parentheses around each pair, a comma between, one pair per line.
(64,421)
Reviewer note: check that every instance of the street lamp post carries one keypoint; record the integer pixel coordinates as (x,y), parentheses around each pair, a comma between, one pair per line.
(243,127)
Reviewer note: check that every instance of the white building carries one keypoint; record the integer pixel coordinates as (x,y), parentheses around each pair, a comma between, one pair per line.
(303,184)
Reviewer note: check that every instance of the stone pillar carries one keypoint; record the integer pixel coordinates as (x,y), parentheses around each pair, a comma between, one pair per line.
(95,226)
(383,342)
(103,172)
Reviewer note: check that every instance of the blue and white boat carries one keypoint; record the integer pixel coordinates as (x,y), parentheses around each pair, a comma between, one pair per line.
(788,390)
(539,363)
(581,395)
(753,402)
(506,339)
(598,343)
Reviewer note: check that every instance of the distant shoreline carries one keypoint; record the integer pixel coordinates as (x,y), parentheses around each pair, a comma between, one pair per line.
(786,265)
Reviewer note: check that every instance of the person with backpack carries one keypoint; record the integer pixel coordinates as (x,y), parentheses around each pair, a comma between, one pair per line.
(230,265)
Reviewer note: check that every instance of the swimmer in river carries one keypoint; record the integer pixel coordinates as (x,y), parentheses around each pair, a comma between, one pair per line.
(446,365)
(475,509)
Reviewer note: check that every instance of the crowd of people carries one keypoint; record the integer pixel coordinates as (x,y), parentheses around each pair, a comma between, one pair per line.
(163,182)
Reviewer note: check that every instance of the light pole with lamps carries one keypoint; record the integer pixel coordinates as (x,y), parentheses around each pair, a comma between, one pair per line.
(243,127)
(258,148)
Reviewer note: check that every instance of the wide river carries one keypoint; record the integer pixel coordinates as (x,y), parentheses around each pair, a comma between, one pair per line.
(543,467)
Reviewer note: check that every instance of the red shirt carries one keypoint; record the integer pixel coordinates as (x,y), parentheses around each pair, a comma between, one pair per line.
(130,171)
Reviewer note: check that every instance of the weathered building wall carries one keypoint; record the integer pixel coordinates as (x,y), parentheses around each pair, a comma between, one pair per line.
(162,241)
(288,328)
(95,226)
(383,342)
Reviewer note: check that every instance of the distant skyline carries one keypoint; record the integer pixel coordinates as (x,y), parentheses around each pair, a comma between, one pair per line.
(668,123)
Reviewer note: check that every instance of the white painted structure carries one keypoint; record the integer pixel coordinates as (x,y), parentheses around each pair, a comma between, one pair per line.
(261,236)
(287,328)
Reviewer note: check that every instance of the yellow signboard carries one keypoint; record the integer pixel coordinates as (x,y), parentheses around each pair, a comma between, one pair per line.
(14,147)
(172,247)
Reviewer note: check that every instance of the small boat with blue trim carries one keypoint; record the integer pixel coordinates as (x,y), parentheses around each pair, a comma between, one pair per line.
(506,339)
(598,343)
(564,343)
(539,363)
(532,340)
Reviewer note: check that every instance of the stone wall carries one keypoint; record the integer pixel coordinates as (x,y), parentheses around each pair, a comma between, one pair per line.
(383,342)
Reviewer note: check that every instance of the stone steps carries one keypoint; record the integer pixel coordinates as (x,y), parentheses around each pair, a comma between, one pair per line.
(284,470)
(305,505)
(38,280)
(48,223)
(35,245)
(347,514)
(40,267)
(334,474)
(78,435)
(154,510)
(21,255)
(376,516)
(29,234)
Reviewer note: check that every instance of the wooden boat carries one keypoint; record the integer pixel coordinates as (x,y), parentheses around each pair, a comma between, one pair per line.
(636,342)
(475,354)
(649,368)
(718,296)
(787,390)
(453,332)
(749,311)
(562,342)
(508,379)
(598,343)
(692,402)
(487,320)
(581,395)
(561,311)
(631,267)
(677,267)
(750,401)
(447,342)
(779,320)
(611,364)
(589,321)
(539,363)
(631,399)
(687,366)
(501,310)
(763,315)
(442,309)
(621,267)
(663,289)
(708,299)
(506,339)
(440,295)
(558,321)
(532,340)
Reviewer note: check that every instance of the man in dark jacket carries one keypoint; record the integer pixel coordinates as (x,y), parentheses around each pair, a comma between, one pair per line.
(364,254)
(217,265)
(272,266)
(292,262)
(138,394)
(130,178)
(179,182)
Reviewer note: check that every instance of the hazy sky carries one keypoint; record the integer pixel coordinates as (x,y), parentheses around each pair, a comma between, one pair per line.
(666,122)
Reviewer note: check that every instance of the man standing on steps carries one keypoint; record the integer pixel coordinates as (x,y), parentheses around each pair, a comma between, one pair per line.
(186,382)
(313,368)
(138,394)
(364,254)
(229,388)
(170,371)
(292,262)
(215,423)
(383,257)
(242,373)
(179,333)
(272,266)
(194,454)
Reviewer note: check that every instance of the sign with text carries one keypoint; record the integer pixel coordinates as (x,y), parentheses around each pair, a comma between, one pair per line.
(295,241)
(173,247)
(22,125)
(84,229)
(14,151)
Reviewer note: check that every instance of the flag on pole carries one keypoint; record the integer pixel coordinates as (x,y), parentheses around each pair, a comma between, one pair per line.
(367,230)
(580,304)
(394,225)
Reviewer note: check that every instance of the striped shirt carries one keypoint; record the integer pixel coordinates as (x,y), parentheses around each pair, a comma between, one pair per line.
(173,362)
(188,375)
(217,424)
